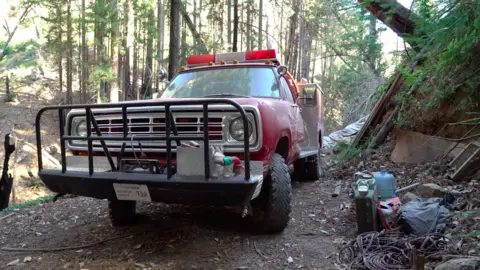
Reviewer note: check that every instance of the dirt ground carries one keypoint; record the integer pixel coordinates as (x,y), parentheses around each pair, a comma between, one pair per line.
(177,237)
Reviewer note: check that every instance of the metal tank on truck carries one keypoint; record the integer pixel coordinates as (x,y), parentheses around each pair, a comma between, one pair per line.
(224,132)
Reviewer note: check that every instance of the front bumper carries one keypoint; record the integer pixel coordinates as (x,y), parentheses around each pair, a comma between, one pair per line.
(180,190)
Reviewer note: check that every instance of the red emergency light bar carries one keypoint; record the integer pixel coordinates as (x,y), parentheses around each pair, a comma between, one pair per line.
(234,57)
(201,59)
(262,54)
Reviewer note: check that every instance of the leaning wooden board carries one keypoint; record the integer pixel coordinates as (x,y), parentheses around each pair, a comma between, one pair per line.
(378,109)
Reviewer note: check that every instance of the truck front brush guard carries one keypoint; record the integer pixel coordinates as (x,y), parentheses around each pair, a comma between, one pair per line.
(168,138)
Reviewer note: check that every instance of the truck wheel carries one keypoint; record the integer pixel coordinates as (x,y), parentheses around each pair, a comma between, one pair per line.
(299,169)
(312,169)
(271,210)
(121,212)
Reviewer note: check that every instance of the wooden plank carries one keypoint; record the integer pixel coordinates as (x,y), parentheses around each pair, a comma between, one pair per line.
(377,110)
(338,189)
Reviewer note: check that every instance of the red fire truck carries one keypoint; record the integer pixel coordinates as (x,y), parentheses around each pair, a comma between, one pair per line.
(225,131)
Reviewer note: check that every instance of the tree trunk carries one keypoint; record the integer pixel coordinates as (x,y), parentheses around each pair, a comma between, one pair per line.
(306,48)
(125,86)
(229,22)
(174,47)
(243,25)
(283,52)
(149,59)
(60,54)
(69,54)
(144,38)
(101,49)
(161,38)
(200,7)
(400,21)
(195,17)
(291,40)
(135,56)
(235,25)
(260,26)
(114,53)
(372,52)
(196,35)
(12,32)
(314,50)
(183,46)
(252,18)
(84,56)
(249,26)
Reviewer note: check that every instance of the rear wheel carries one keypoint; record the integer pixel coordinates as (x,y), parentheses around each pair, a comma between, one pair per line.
(313,168)
(299,170)
(271,210)
(121,212)
(307,169)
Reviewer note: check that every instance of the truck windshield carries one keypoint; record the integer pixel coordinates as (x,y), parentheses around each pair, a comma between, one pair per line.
(242,81)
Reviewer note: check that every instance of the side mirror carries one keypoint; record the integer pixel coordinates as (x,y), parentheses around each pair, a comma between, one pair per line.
(282,70)
(162,75)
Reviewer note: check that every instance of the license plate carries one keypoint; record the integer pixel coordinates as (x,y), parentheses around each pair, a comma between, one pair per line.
(132,192)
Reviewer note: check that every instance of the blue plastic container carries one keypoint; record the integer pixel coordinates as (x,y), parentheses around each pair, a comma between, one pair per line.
(385,184)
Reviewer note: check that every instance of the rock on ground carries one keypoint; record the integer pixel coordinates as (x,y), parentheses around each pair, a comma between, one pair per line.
(430,191)
(460,264)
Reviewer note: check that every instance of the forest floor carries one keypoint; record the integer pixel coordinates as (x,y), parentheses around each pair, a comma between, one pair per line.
(177,237)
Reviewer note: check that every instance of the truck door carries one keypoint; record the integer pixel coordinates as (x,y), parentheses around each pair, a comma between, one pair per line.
(310,103)
(296,124)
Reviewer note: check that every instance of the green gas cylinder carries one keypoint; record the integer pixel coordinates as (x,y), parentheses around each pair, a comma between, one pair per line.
(366,199)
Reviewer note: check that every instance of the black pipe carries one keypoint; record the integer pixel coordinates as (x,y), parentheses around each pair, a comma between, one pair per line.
(104,145)
(206,155)
(90,142)
(61,119)
(168,142)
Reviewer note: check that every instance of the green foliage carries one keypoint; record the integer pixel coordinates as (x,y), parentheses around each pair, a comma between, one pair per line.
(20,59)
(454,54)
(23,49)
(103,73)
(10,97)
(40,200)
(27,204)
(346,153)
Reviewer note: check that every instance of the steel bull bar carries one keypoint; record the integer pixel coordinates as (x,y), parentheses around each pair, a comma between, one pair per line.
(167,188)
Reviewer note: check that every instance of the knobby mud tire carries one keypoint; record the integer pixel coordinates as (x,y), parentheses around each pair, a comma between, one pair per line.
(312,169)
(271,210)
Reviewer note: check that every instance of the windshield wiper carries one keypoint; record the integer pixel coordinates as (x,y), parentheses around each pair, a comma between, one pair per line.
(226,95)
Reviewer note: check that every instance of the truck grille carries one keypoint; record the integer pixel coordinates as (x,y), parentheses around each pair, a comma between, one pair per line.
(186,125)
(151,122)
(156,126)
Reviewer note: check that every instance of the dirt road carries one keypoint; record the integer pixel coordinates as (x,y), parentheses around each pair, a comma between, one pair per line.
(176,237)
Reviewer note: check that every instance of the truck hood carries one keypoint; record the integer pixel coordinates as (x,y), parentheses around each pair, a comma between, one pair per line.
(255,102)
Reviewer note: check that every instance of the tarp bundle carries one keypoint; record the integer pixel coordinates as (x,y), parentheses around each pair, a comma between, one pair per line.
(345,135)
(424,216)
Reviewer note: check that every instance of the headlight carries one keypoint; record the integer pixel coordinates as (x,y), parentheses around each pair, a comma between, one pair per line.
(81,129)
(236,129)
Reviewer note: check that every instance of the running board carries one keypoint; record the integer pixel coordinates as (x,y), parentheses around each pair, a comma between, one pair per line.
(305,154)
